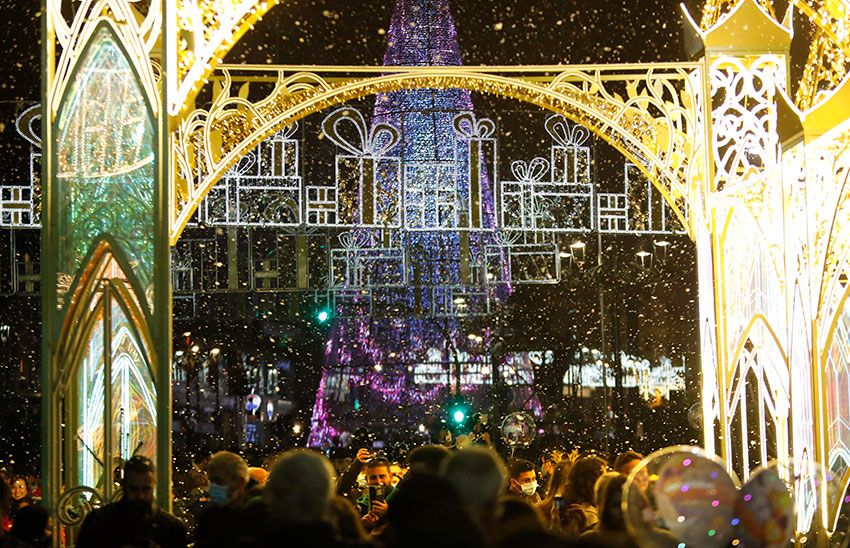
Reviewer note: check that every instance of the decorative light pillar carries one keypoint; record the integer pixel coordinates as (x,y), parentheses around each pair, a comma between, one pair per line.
(116,78)
(742,297)
(777,380)
(106,295)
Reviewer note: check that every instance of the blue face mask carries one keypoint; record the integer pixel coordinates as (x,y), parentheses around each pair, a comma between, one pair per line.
(218,494)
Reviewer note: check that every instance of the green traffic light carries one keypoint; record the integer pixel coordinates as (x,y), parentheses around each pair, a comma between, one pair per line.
(323,315)
(458,413)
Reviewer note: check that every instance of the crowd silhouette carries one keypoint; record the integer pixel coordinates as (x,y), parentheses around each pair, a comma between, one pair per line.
(435,497)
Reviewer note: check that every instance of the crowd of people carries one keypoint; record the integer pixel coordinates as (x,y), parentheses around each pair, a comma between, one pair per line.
(437,497)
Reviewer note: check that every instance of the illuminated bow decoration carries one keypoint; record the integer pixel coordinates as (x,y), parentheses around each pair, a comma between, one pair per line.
(503,239)
(374,143)
(565,134)
(469,128)
(530,172)
(354,240)
(244,165)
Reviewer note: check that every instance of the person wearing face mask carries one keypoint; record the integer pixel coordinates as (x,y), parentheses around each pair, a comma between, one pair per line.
(134,520)
(524,481)
(226,521)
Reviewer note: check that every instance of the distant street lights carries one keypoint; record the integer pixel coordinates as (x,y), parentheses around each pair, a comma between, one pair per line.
(612,273)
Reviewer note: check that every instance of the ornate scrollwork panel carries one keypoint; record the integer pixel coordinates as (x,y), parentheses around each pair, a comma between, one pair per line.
(745,139)
(828,42)
(76,503)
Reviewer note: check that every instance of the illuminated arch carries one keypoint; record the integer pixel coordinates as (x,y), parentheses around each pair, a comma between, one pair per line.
(668,148)
(676,166)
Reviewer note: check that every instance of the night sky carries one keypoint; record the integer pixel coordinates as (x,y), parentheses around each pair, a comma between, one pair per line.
(489,32)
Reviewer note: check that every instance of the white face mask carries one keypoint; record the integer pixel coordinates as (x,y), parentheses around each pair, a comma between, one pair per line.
(529,489)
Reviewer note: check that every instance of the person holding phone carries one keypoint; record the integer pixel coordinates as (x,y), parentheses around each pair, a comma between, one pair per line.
(553,503)
(373,504)
(347,482)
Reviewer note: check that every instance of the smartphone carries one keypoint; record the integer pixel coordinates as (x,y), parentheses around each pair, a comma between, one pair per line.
(376,493)
(560,503)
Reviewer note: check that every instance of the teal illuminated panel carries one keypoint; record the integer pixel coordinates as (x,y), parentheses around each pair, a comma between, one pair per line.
(133,396)
(88,402)
(133,392)
(105,164)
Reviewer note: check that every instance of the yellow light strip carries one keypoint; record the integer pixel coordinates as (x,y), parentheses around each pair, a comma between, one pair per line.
(201,32)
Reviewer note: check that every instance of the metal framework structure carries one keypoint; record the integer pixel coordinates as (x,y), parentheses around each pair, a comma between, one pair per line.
(760,183)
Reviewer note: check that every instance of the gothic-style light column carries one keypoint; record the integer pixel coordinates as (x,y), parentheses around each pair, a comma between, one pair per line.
(745,59)
(116,77)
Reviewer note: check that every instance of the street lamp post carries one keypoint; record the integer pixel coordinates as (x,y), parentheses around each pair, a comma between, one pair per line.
(604,345)
(611,273)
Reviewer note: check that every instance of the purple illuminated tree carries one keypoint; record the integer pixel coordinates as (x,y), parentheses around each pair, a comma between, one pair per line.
(422,33)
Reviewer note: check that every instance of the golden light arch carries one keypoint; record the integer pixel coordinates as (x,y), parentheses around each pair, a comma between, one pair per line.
(653,123)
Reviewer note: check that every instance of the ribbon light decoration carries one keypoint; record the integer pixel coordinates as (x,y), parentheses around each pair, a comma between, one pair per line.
(361,164)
